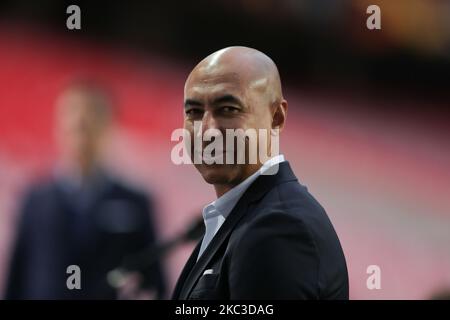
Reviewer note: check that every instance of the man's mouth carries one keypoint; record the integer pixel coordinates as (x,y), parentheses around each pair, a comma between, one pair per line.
(215,156)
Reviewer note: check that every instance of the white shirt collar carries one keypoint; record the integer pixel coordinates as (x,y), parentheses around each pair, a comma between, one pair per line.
(224,204)
(217,211)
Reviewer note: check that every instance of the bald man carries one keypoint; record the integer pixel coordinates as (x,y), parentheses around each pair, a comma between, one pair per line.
(266,237)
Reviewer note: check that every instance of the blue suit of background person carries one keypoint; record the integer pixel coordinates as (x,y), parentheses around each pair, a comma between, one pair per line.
(92,226)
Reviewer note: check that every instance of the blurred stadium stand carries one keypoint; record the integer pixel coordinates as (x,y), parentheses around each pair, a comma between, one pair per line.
(368,127)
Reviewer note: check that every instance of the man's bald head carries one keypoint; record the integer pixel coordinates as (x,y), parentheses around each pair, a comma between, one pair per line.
(234,88)
(251,68)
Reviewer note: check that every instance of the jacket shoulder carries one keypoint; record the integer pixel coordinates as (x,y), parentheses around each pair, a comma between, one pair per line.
(289,211)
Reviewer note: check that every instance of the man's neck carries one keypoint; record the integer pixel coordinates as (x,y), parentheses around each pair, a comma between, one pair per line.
(221,189)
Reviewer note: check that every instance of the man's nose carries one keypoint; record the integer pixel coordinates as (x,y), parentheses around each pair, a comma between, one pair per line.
(209,121)
(211,125)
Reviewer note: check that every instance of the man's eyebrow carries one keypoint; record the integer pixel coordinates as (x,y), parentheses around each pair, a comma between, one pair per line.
(228,98)
(192,102)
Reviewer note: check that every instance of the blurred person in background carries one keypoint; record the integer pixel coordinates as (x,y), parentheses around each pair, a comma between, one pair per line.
(81,215)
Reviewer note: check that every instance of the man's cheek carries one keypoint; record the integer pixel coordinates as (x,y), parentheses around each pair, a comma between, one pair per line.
(188,139)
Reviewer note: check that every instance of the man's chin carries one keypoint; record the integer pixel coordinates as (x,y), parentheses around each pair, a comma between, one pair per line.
(216,173)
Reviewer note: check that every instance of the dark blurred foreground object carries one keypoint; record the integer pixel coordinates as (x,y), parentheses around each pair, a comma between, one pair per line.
(443,294)
(81,216)
(151,256)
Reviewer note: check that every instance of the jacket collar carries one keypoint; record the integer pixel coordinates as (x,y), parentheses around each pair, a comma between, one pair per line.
(192,271)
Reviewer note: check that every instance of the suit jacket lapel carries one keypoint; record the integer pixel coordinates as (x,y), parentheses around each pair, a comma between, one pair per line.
(186,270)
(212,248)
(261,186)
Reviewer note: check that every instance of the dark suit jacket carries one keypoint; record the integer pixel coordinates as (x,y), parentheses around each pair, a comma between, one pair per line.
(277,243)
(95,232)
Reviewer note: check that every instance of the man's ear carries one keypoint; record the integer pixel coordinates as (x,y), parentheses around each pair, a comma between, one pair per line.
(280,114)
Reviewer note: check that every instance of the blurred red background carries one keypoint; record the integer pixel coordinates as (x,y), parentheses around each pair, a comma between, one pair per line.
(377,161)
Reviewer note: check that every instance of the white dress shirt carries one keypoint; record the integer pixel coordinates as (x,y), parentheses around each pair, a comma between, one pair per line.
(215,213)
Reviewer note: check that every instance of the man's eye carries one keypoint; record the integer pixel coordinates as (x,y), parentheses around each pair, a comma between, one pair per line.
(193,112)
(230,109)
